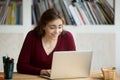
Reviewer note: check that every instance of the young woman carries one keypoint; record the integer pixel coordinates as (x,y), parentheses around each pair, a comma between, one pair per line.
(40,43)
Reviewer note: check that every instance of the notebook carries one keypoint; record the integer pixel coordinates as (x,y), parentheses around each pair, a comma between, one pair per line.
(70,64)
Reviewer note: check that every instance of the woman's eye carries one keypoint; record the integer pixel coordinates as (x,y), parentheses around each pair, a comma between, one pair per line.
(52,27)
(60,27)
(55,27)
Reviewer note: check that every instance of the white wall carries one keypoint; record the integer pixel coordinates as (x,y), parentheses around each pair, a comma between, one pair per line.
(10,45)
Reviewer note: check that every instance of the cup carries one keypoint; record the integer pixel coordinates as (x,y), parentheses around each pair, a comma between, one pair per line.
(109,73)
(8,70)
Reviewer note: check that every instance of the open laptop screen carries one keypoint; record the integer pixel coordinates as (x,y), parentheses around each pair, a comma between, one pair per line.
(71,64)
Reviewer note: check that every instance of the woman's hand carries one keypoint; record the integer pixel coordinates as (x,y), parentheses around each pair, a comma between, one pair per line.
(45,72)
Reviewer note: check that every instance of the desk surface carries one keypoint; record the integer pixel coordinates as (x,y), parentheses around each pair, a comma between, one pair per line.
(93,76)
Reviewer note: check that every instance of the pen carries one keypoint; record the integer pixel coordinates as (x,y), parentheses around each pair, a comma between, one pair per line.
(4,59)
(8,59)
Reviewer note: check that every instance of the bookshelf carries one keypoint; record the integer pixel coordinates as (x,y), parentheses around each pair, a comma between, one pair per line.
(11,12)
(82,29)
(27,22)
(77,12)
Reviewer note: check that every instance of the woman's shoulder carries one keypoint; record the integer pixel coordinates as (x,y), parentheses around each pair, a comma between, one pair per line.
(30,33)
(67,34)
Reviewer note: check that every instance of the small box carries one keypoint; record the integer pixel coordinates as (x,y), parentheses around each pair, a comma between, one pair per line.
(109,73)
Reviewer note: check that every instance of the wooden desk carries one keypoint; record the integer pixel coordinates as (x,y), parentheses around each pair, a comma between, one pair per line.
(93,76)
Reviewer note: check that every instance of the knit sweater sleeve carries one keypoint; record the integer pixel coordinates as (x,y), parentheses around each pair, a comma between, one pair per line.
(69,41)
(23,65)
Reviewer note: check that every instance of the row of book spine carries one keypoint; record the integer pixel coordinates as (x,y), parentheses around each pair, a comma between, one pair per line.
(11,12)
(76,12)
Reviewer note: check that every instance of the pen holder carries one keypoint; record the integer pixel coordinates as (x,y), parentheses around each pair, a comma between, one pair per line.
(109,73)
(8,70)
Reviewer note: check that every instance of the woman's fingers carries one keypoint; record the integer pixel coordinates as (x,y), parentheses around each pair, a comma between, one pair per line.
(45,72)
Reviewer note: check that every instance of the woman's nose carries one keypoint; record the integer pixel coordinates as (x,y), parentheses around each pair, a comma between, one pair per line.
(57,30)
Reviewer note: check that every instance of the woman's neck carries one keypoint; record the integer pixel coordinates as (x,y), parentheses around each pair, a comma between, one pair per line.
(48,40)
(49,44)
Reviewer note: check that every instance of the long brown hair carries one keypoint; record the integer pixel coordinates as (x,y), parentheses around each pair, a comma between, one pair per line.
(48,16)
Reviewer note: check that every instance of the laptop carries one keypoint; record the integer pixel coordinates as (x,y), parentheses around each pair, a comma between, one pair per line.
(70,64)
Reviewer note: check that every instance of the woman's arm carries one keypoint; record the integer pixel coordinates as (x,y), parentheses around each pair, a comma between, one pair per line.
(70,44)
(23,65)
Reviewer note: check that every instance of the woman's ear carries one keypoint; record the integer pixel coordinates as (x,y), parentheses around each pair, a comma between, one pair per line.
(44,28)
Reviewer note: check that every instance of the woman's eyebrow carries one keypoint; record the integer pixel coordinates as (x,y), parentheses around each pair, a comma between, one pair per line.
(56,25)
(52,25)
(60,24)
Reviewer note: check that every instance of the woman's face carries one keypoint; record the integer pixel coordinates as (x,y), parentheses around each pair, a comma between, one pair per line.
(53,29)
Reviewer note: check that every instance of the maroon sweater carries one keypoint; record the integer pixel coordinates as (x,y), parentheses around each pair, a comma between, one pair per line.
(33,57)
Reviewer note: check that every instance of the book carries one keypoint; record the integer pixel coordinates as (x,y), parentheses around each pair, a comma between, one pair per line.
(13,13)
(4,12)
(104,14)
(50,3)
(18,13)
(89,3)
(66,12)
(46,4)
(74,14)
(42,6)
(80,12)
(34,21)
(35,13)
(8,19)
(100,14)
(107,9)
(56,4)
(89,12)
(84,13)
(96,14)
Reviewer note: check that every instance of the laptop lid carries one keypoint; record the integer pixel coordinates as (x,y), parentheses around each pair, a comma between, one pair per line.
(71,64)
